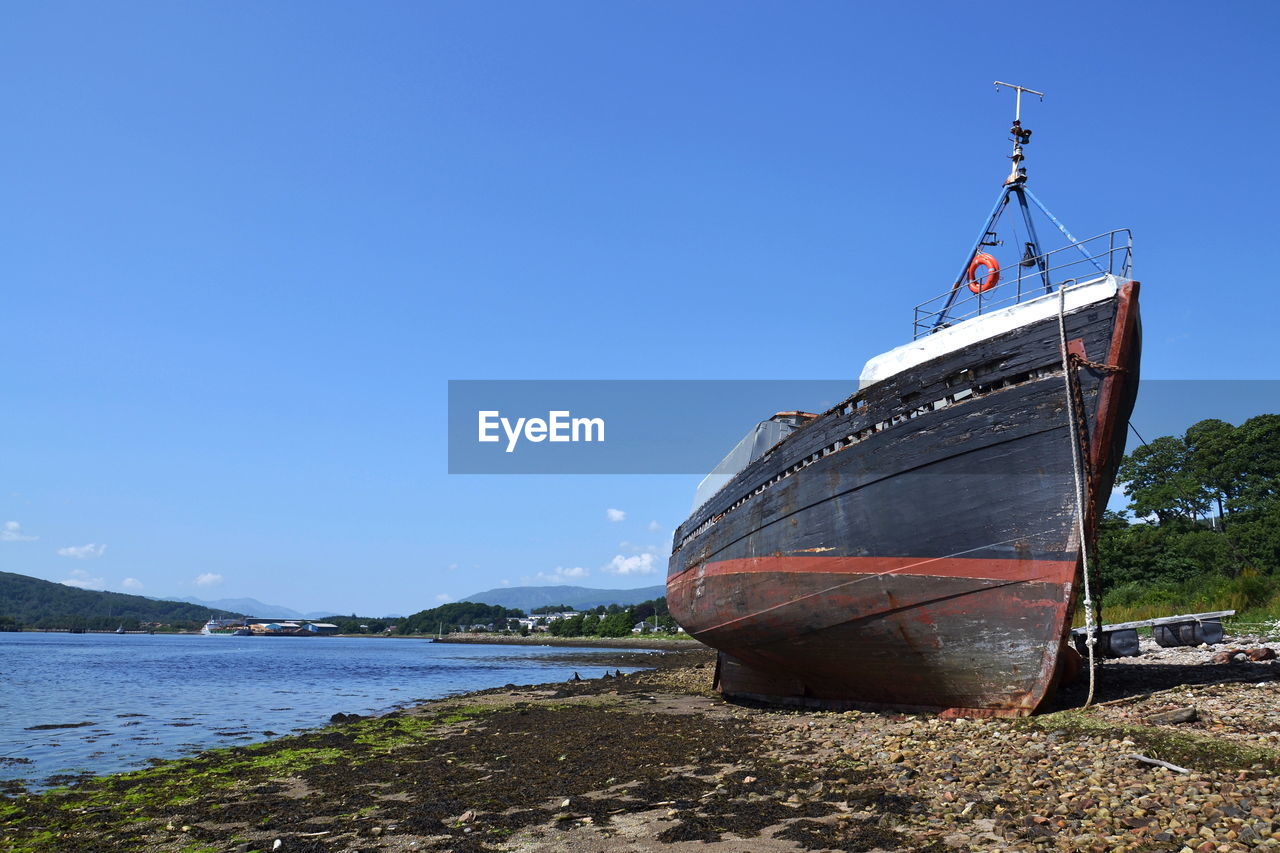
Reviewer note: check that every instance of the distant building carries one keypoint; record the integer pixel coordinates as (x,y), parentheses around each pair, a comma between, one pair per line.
(322,628)
(555,617)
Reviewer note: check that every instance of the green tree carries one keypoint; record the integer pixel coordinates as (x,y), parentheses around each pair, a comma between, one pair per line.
(617,624)
(1140,554)
(1160,480)
(646,610)
(1255,538)
(568,627)
(461,613)
(1214,466)
(42,604)
(1210,450)
(1255,459)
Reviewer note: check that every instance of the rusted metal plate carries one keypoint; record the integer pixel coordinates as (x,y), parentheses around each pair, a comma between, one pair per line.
(892,639)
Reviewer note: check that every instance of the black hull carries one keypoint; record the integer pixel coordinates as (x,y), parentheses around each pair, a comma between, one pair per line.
(916,546)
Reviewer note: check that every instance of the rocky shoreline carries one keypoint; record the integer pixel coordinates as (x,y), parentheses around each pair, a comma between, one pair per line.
(655,761)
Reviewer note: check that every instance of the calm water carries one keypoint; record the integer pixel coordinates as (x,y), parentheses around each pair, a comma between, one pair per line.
(166,696)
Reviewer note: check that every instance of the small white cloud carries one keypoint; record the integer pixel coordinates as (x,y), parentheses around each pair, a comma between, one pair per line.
(636,564)
(453,567)
(635,548)
(83,552)
(504,582)
(655,527)
(208,579)
(131,583)
(615,515)
(83,580)
(559,575)
(443,597)
(12,532)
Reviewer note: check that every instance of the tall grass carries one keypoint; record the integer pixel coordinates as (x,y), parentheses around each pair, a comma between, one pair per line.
(1254,597)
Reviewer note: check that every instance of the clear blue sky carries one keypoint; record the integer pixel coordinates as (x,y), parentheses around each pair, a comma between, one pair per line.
(244,246)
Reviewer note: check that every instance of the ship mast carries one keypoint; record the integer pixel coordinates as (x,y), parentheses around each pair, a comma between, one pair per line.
(1015,187)
(1020,137)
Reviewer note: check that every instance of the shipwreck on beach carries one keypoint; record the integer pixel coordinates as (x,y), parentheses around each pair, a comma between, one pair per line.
(919,545)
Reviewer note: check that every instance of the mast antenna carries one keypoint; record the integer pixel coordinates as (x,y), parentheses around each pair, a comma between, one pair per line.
(1017,104)
(1021,137)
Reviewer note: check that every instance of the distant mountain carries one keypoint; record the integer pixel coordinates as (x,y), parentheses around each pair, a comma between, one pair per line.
(578,597)
(43,604)
(253,607)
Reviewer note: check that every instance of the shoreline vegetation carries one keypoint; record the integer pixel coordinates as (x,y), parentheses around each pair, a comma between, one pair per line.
(655,761)
(1207,530)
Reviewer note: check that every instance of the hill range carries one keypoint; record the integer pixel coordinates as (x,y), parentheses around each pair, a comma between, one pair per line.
(578,597)
(40,603)
(253,607)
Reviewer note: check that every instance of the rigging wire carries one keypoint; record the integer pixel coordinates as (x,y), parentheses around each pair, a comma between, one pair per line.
(1076,462)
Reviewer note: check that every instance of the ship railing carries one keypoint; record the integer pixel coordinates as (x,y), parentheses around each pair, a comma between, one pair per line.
(1109,253)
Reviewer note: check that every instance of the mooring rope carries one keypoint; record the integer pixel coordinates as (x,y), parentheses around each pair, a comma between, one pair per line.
(1076,462)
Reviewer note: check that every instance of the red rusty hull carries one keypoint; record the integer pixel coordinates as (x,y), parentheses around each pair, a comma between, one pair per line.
(903,633)
(895,555)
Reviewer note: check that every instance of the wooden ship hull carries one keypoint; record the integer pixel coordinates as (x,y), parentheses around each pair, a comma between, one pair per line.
(917,547)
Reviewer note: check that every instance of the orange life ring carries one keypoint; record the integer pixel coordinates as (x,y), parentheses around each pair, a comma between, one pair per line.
(990,279)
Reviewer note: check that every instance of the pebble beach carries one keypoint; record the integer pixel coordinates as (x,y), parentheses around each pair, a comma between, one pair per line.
(1178,753)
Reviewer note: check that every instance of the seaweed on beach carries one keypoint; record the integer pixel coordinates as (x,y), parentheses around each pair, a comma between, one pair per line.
(841,835)
(466,776)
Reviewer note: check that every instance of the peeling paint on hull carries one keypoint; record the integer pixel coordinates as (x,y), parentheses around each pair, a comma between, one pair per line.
(893,640)
(893,554)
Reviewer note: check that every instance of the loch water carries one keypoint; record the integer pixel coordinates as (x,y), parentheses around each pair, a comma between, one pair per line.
(103,703)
